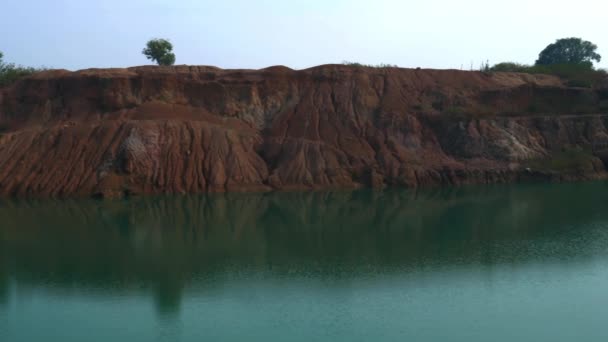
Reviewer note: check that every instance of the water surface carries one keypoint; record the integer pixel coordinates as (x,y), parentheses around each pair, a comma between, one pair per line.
(498,263)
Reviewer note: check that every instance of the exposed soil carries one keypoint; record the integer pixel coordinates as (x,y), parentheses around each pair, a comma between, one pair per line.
(187,129)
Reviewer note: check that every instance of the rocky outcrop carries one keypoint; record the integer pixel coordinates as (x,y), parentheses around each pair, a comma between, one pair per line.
(146,130)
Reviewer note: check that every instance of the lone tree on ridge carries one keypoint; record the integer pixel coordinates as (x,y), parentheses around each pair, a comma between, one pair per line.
(569,51)
(159,50)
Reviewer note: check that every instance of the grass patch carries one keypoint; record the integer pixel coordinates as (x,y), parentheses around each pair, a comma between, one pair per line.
(582,75)
(569,160)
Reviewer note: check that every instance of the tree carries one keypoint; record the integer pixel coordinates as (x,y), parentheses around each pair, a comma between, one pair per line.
(569,51)
(2,65)
(159,50)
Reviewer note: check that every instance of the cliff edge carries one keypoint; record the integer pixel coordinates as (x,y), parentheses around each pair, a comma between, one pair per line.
(189,129)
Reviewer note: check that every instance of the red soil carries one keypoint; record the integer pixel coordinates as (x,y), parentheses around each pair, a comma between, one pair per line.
(187,129)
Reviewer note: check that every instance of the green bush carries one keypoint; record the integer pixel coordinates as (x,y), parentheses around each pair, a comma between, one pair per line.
(510,67)
(575,75)
(9,72)
(377,66)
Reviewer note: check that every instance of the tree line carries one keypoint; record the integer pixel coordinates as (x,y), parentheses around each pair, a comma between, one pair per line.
(569,58)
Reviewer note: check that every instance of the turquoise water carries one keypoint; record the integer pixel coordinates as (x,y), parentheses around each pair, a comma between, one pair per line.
(499,263)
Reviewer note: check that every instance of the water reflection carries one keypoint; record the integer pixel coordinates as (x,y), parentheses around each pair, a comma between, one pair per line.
(163,246)
(4,286)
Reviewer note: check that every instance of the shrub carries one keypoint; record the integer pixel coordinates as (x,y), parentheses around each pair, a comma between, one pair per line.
(377,66)
(12,73)
(571,59)
(510,67)
(9,72)
(575,75)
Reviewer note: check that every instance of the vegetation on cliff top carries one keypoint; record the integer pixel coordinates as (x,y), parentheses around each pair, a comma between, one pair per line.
(159,50)
(569,51)
(377,66)
(569,58)
(10,72)
(576,75)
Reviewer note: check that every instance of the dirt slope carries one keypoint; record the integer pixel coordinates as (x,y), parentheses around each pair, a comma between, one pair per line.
(190,129)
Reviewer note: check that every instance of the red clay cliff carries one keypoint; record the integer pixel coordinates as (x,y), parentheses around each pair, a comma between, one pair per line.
(147,130)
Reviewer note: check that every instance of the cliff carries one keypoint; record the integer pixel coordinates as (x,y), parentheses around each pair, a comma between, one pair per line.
(187,129)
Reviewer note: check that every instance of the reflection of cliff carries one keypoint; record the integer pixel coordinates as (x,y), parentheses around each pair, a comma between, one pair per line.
(3,284)
(185,129)
(166,244)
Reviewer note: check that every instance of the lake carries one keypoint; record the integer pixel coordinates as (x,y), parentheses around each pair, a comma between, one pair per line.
(482,263)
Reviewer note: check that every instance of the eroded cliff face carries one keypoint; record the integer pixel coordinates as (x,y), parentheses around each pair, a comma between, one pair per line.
(184,129)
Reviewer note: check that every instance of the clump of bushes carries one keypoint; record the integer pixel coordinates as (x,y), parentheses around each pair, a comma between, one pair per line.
(377,66)
(568,58)
(10,72)
(576,75)
(510,67)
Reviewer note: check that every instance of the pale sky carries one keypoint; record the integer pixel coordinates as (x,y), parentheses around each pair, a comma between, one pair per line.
(443,34)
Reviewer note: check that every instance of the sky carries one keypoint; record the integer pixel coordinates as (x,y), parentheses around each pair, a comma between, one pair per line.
(441,34)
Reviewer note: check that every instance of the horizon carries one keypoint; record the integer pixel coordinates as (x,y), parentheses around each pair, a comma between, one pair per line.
(238,34)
